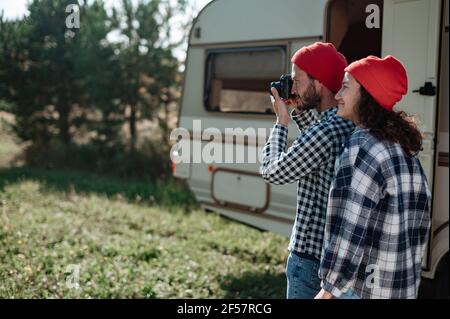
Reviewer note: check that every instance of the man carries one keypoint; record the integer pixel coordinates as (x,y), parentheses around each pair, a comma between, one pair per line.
(317,73)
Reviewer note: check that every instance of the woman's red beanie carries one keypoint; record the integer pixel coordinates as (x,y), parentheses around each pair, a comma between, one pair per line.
(322,62)
(384,79)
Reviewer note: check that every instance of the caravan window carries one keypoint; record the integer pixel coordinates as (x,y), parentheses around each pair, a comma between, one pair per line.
(238,80)
(352,28)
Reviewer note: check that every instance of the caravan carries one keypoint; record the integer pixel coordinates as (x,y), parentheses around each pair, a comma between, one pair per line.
(236,48)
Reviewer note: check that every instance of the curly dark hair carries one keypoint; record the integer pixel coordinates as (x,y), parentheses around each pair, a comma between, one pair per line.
(392,126)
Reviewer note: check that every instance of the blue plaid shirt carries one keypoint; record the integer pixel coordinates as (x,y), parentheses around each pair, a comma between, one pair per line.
(378,220)
(309,162)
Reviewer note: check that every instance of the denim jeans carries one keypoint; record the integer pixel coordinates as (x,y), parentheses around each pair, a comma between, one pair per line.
(302,277)
(349,294)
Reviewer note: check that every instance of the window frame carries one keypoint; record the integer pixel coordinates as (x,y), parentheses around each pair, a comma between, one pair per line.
(209,71)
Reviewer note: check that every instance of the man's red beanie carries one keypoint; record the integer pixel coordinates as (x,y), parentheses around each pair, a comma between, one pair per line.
(322,62)
(384,79)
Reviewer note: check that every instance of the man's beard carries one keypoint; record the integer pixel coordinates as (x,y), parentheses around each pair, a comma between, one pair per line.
(310,99)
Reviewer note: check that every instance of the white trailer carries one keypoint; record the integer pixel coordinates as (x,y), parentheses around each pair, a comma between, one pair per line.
(237,47)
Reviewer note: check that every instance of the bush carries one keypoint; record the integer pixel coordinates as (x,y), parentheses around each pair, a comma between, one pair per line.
(169,193)
(113,160)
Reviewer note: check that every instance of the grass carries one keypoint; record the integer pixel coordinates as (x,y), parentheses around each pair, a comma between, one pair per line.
(126,239)
(169,193)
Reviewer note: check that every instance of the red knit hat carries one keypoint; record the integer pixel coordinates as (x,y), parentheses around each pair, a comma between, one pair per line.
(322,62)
(384,79)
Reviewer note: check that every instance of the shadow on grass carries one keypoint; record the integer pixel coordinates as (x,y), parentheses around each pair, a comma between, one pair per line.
(166,193)
(255,286)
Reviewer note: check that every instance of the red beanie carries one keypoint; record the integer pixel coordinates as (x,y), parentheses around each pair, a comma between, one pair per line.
(322,62)
(384,79)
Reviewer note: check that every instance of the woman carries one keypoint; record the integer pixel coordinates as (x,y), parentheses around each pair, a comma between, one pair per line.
(378,214)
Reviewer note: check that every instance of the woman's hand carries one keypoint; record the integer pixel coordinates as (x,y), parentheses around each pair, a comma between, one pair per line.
(323,294)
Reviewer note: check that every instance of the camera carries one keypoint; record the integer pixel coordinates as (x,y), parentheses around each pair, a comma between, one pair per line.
(284,86)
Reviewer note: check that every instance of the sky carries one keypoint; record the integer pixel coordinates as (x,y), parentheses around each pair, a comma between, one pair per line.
(13,9)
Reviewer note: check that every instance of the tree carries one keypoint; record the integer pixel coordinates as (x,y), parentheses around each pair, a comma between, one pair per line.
(98,67)
(10,56)
(40,72)
(148,67)
(63,84)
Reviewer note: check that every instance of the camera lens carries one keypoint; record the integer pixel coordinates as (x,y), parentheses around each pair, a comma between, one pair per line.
(284,86)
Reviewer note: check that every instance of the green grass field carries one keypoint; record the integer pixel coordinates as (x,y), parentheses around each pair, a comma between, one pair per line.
(126,239)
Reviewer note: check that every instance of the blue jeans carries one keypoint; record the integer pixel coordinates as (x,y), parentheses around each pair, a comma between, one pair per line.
(349,294)
(302,277)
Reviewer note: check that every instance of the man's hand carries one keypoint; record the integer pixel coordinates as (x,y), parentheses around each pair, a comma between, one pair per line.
(323,294)
(280,108)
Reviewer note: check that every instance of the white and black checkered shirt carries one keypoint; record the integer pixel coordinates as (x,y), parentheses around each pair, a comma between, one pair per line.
(378,220)
(309,162)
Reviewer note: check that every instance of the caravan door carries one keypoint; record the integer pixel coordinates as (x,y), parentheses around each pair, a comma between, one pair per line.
(411,31)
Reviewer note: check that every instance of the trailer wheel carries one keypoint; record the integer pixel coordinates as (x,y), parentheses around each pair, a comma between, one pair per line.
(436,288)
